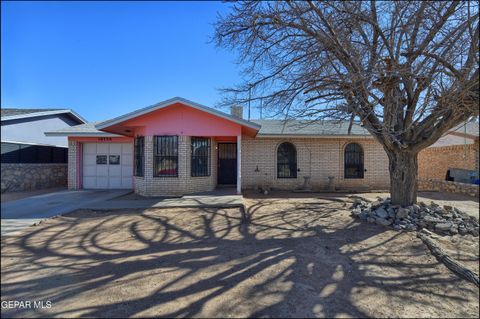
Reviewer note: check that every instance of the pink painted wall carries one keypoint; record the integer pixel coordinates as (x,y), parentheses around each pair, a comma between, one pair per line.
(226,139)
(179,119)
(79,165)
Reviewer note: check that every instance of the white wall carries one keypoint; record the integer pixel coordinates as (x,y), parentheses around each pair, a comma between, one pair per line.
(33,131)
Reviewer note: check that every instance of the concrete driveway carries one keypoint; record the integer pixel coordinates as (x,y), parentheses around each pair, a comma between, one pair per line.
(22,213)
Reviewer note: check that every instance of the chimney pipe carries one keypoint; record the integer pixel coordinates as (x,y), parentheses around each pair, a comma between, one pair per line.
(237,110)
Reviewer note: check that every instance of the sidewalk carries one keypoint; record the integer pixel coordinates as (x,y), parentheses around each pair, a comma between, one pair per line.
(201,201)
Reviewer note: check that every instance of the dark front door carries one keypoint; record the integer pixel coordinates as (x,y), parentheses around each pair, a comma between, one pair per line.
(227,163)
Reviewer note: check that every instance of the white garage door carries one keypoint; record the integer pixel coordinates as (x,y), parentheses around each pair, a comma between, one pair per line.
(107,165)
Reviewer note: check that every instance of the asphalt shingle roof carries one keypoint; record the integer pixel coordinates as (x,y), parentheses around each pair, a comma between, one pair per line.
(470,128)
(269,127)
(88,128)
(313,128)
(12,111)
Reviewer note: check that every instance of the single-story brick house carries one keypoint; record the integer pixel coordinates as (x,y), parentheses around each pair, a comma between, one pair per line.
(180,147)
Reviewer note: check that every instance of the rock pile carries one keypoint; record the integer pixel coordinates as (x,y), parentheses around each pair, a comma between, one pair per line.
(444,220)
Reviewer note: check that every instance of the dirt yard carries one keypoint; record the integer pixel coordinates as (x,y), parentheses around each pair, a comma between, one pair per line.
(297,257)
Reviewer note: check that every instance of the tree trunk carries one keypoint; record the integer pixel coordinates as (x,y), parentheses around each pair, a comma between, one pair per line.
(403,177)
(448,261)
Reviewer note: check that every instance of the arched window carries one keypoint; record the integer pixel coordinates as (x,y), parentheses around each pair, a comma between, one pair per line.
(286,161)
(353,161)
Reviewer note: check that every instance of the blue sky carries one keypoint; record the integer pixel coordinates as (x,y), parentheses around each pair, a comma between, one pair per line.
(104,59)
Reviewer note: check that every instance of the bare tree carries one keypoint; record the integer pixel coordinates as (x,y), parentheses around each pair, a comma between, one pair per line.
(408,70)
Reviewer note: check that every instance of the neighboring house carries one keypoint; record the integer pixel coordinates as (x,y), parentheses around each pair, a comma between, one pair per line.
(454,157)
(179,147)
(30,160)
(466,133)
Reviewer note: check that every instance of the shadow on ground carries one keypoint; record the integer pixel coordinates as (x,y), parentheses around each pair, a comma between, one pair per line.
(449,196)
(296,258)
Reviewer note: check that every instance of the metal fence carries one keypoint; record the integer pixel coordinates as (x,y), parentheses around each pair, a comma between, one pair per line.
(26,153)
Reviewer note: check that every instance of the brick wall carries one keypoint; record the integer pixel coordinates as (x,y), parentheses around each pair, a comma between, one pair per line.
(72,164)
(318,158)
(434,162)
(184,183)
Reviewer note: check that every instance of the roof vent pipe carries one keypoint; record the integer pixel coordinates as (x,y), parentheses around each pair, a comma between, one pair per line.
(237,111)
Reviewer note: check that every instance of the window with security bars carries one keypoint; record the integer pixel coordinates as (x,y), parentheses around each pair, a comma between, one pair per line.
(165,156)
(286,161)
(201,150)
(139,150)
(353,161)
